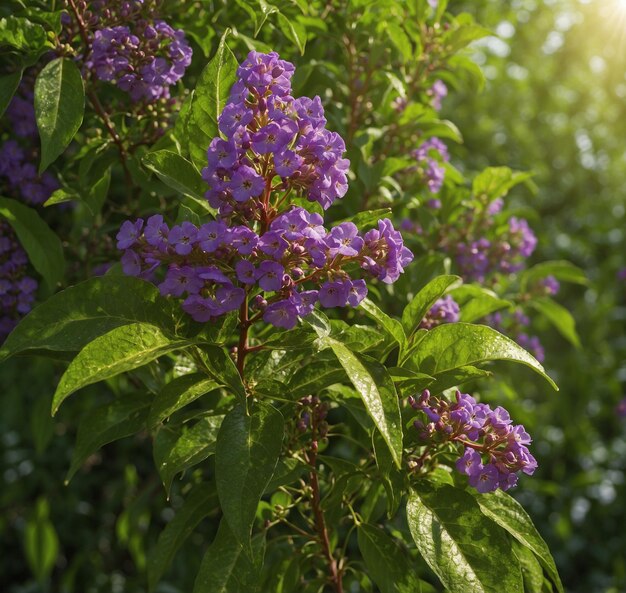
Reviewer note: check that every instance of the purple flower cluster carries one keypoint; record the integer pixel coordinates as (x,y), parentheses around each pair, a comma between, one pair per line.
(620,409)
(214,266)
(272,142)
(21,113)
(17,290)
(549,285)
(445,310)
(481,257)
(438,92)
(143,62)
(260,246)
(495,450)
(431,154)
(20,175)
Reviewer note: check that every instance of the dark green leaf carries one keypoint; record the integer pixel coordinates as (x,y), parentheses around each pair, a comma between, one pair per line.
(41,543)
(21,34)
(393,479)
(105,424)
(561,270)
(177,173)
(495,182)
(177,394)
(228,567)
(532,573)
(558,316)
(386,562)
(8,86)
(477,302)
(368,218)
(293,30)
(201,501)
(391,326)
(43,247)
(210,97)
(59,107)
(456,377)
(450,346)
(422,302)
(374,385)
(122,349)
(177,448)
(314,377)
(248,447)
(221,366)
(70,319)
(462,547)
(509,514)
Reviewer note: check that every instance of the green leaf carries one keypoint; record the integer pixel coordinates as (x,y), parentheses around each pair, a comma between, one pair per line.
(393,479)
(59,107)
(532,573)
(43,247)
(422,302)
(177,448)
(122,349)
(459,38)
(248,448)
(467,551)
(509,514)
(392,327)
(41,543)
(210,97)
(293,30)
(105,424)
(8,86)
(219,364)
(21,34)
(561,270)
(228,567)
(178,173)
(177,394)
(72,318)
(400,39)
(314,377)
(201,501)
(456,377)
(376,388)
(477,302)
(558,316)
(386,562)
(495,182)
(454,345)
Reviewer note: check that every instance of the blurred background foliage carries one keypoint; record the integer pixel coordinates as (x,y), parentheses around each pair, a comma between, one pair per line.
(553,103)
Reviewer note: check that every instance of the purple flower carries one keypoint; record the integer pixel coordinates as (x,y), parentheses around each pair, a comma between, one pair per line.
(156,232)
(201,309)
(243,239)
(229,298)
(129,233)
(334,294)
(270,275)
(246,183)
(182,237)
(246,272)
(221,154)
(357,291)
(233,117)
(131,263)
(211,235)
(287,162)
(273,244)
(486,480)
(344,239)
(180,280)
(445,310)
(281,314)
(470,463)
(305,302)
(273,137)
